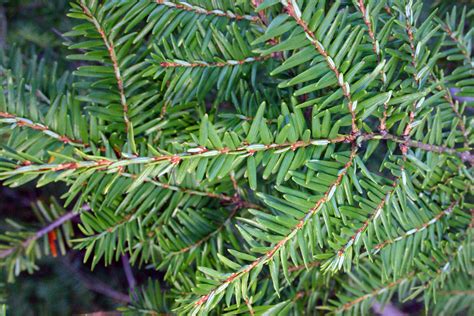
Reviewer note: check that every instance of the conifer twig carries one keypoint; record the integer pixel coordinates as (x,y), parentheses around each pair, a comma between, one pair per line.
(128,272)
(295,13)
(204,64)
(43,231)
(415,230)
(199,10)
(301,223)
(115,63)
(24,122)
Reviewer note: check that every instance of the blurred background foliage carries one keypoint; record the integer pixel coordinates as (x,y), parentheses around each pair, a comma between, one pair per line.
(63,285)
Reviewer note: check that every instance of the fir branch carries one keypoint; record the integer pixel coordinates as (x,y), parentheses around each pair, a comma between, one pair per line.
(209,236)
(302,222)
(174,159)
(413,52)
(249,306)
(373,216)
(38,93)
(374,293)
(371,31)
(185,182)
(201,152)
(115,64)
(96,285)
(236,202)
(411,41)
(203,64)
(43,231)
(416,230)
(293,11)
(310,265)
(448,97)
(465,156)
(223,197)
(24,122)
(458,41)
(132,282)
(199,10)
(443,269)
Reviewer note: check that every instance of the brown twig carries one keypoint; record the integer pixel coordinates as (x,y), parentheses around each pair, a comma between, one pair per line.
(301,223)
(96,285)
(115,64)
(43,231)
(291,10)
(203,64)
(24,122)
(132,283)
(199,10)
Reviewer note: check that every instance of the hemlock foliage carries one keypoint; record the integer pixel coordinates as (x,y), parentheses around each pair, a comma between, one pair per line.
(265,156)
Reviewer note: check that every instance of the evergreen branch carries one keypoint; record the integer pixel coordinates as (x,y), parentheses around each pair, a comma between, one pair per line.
(413,274)
(374,293)
(175,159)
(370,29)
(183,185)
(310,265)
(411,41)
(301,223)
(115,64)
(201,152)
(24,122)
(462,47)
(203,64)
(96,285)
(293,11)
(38,93)
(132,282)
(249,306)
(413,53)
(415,230)
(209,236)
(43,231)
(449,98)
(373,216)
(445,267)
(109,230)
(465,156)
(199,10)
(151,235)
(223,197)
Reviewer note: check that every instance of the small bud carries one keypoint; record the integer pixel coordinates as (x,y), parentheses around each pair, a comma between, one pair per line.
(296,8)
(255,147)
(320,46)
(331,63)
(320,142)
(354,106)
(341,79)
(348,88)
